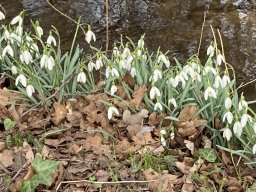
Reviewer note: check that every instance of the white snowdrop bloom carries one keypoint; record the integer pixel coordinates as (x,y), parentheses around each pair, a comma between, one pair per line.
(7,34)
(34,47)
(19,30)
(244,119)
(43,60)
(133,72)
(242,105)
(174,82)
(217,82)
(180,78)
(51,40)
(196,67)
(22,79)
(254,149)
(208,69)
(114,72)
(8,49)
(14,70)
(50,63)
(164,59)
(30,90)
(26,57)
(2,16)
(141,43)
(108,71)
(90,36)
(158,106)
(98,63)
(227,133)
(81,77)
(228,116)
(144,57)
(189,70)
(163,141)
(220,59)
(163,132)
(157,74)
(126,62)
(210,92)
(228,103)
(210,51)
(29,39)
(139,53)
(91,65)
(238,128)
(173,102)
(225,81)
(39,31)
(17,19)
(112,110)
(154,92)
(14,37)
(126,52)
(116,52)
(113,90)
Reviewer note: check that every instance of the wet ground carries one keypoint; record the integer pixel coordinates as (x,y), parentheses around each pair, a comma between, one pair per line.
(174,25)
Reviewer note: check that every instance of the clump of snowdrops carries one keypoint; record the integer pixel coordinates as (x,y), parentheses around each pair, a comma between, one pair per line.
(40,69)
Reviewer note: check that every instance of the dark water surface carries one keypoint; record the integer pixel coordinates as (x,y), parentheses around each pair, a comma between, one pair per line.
(175,25)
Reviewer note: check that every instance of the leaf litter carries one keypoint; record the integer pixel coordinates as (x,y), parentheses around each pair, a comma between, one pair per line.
(74,147)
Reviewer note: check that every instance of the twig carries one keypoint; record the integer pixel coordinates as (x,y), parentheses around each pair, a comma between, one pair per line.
(222,50)
(3,8)
(201,36)
(107,27)
(68,17)
(99,182)
(53,95)
(252,81)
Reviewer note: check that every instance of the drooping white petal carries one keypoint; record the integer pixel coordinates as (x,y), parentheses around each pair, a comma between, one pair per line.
(228,116)
(228,103)
(2,16)
(99,63)
(133,72)
(220,59)
(50,63)
(112,110)
(17,19)
(154,92)
(81,77)
(225,81)
(242,105)
(51,40)
(158,106)
(8,49)
(114,72)
(227,133)
(254,149)
(237,128)
(173,102)
(113,90)
(30,90)
(245,118)
(39,31)
(89,36)
(210,92)
(210,51)
(91,65)
(14,70)
(22,79)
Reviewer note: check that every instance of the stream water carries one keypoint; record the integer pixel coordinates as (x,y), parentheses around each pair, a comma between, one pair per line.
(175,25)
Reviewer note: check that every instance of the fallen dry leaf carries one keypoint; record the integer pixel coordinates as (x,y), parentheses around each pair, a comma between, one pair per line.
(132,119)
(190,145)
(138,95)
(188,185)
(59,114)
(6,96)
(27,149)
(6,158)
(187,113)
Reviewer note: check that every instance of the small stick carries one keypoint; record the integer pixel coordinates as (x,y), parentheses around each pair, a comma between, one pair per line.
(201,36)
(99,182)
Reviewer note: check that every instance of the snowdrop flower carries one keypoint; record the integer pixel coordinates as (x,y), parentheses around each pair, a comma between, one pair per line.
(108,71)
(8,49)
(47,62)
(51,40)
(17,19)
(15,37)
(43,60)
(225,81)
(113,90)
(2,16)
(189,70)
(141,43)
(227,133)
(210,51)
(90,35)
(154,92)
(112,110)
(228,103)
(228,116)
(217,82)
(14,70)
(126,62)
(139,53)
(173,82)
(242,104)
(114,72)
(157,74)
(126,52)
(81,77)
(26,57)
(164,59)
(99,63)
(220,58)
(22,79)
(30,90)
(158,106)
(208,69)
(244,119)
(162,139)
(19,30)
(133,72)
(173,102)
(181,78)
(238,128)
(91,65)
(116,52)
(7,34)
(39,31)
(210,92)
(254,128)
(254,149)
